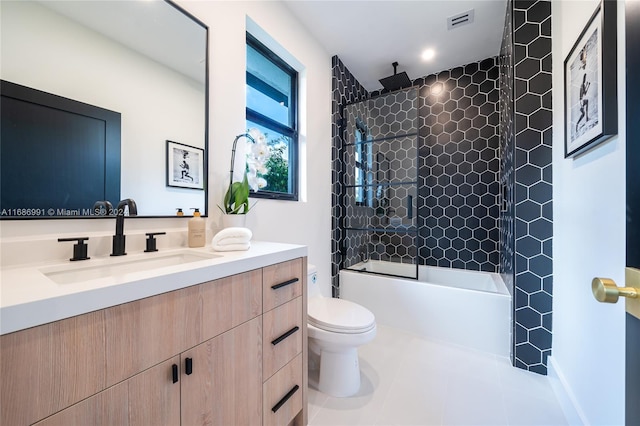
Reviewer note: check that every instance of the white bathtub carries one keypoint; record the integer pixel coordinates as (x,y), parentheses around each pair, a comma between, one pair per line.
(467,308)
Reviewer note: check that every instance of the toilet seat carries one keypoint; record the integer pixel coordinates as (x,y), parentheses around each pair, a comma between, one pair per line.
(339,316)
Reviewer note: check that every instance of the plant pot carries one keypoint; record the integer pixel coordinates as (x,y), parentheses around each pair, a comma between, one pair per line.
(234,220)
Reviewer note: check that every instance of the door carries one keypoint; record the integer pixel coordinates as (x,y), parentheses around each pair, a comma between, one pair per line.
(632,391)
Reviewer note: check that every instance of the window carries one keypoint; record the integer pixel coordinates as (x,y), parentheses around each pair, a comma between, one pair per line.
(272,108)
(363,160)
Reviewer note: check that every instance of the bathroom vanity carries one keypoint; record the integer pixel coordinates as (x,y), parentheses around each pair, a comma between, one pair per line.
(218,340)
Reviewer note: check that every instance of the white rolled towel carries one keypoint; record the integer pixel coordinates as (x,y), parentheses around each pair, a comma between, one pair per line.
(232,237)
(232,247)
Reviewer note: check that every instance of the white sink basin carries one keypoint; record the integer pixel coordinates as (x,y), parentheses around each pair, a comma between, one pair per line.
(101,268)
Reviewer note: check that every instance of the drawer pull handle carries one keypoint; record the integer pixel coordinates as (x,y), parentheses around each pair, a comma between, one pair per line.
(284,284)
(188,366)
(285,335)
(285,398)
(174,372)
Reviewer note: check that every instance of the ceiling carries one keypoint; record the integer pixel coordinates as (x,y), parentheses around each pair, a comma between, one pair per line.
(369,35)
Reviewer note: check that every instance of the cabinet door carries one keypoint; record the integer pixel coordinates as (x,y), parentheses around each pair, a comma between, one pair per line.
(108,407)
(229,302)
(47,368)
(223,385)
(145,332)
(154,398)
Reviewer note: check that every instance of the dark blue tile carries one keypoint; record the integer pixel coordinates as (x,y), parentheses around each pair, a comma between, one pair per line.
(539,12)
(539,368)
(547,321)
(521,264)
(541,119)
(540,48)
(521,299)
(547,211)
(541,302)
(522,335)
(528,354)
(541,265)
(529,283)
(471,68)
(541,192)
(541,229)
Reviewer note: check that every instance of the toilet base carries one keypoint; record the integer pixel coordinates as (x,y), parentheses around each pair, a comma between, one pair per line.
(339,374)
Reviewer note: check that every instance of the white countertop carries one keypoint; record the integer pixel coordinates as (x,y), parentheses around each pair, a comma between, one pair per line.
(29,298)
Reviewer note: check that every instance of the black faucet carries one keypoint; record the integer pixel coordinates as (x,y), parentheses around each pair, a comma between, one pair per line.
(119,238)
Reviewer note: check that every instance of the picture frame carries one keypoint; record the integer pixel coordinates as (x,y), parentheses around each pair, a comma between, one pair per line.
(590,77)
(185,166)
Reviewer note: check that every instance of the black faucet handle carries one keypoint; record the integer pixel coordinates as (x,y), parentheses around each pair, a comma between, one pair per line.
(151,241)
(79,249)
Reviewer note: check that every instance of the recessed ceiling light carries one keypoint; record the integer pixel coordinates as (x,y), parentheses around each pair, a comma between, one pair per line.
(428,54)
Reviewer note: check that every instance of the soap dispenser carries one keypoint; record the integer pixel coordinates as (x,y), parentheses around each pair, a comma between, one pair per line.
(197,230)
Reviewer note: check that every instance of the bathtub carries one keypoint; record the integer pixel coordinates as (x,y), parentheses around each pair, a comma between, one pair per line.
(466,308)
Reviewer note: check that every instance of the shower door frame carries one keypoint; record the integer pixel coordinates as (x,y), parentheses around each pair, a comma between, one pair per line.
(413,229)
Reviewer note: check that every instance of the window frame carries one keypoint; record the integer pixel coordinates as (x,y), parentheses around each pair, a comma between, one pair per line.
(289,131)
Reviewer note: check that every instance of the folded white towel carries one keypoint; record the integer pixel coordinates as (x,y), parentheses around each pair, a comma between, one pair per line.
(232,236)
(232,247)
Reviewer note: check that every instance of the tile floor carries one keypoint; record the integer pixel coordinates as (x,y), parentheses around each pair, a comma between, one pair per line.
(408,380)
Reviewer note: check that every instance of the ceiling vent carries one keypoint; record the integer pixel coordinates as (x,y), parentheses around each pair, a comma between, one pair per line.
(460,19)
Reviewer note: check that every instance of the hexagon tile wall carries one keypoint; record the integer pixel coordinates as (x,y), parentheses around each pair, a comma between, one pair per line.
(533,230)
(484,183)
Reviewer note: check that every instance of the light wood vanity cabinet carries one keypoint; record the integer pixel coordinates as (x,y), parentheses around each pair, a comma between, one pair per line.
(116,366)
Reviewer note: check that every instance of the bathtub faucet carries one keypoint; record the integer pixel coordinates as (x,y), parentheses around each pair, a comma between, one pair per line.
(364,253)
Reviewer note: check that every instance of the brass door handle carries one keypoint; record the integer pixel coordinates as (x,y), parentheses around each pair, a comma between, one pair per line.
(605,290)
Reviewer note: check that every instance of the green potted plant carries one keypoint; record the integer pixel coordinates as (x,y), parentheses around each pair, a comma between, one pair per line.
(236,198)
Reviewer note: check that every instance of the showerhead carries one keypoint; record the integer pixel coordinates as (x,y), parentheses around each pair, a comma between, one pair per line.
(395,81)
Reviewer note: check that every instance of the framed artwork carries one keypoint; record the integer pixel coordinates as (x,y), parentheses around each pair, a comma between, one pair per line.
(185,166)
(590,98)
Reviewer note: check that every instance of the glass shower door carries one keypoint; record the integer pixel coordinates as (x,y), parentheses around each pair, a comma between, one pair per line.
(380,180)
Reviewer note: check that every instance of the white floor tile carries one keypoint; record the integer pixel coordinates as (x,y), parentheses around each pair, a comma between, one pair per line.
(408,380)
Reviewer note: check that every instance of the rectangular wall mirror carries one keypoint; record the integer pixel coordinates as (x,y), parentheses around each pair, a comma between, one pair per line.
(141,64)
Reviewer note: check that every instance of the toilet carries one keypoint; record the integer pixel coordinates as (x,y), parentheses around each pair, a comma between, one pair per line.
(336,328)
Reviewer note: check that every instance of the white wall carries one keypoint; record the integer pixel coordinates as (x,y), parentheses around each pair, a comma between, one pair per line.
(47,51)
(589,241)
(305,222)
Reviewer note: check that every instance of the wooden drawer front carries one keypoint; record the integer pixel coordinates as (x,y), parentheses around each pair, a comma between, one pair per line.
(229,302)
(282,282)
(281,399)
(282,336)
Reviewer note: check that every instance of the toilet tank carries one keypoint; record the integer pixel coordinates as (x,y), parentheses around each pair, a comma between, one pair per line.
(313,287)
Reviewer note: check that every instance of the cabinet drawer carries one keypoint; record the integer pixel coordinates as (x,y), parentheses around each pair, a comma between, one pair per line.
(282,336)
(282,282)
(282,394)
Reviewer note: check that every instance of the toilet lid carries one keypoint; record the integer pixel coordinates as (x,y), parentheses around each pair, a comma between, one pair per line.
(339,315)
